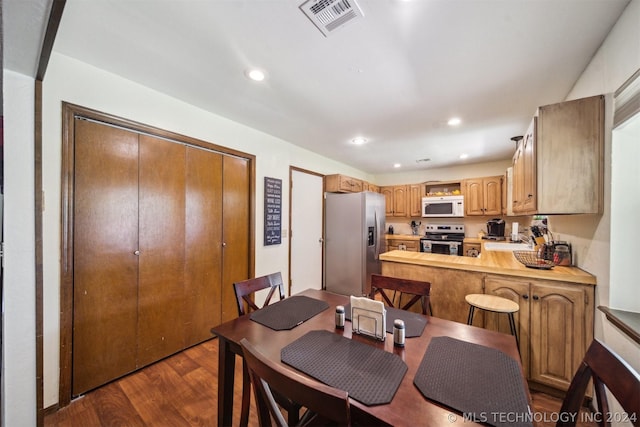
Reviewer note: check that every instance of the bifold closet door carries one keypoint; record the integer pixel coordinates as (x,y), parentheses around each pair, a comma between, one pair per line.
(161,297)
(105,263)
(203,245)
(236,204)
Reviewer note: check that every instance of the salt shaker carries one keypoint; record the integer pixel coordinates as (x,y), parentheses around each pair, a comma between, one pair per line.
(340,317)
(398,333)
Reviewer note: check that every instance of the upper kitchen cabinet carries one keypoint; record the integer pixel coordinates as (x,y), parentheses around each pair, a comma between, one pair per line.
(342,184)
(367,186)
(396,200)
(415,200)
(483,196)
(558,165)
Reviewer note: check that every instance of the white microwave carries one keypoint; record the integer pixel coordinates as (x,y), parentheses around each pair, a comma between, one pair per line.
(443,206)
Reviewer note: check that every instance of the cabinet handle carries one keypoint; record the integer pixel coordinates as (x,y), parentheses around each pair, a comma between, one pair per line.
(224,244)
(136,253)
(535,297)
(530,196)
(525,296)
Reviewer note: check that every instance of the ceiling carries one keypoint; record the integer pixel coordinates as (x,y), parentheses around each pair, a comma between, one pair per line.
(394,76)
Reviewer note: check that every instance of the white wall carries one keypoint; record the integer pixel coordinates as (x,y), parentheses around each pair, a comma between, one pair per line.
(78,83)
(616,60)
(19,332)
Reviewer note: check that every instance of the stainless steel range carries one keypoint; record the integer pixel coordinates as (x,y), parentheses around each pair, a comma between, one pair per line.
(443,239)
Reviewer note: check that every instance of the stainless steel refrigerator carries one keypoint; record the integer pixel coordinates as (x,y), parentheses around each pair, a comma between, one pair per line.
(354,238)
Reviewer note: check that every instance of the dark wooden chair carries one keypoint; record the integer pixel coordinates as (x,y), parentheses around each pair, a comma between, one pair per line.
(322,402)
(418,289)
(606,369)
(245,300)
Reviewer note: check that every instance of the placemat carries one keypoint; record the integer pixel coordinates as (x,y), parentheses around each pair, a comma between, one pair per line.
(414,323)
(483,383)
(370,375)
(288,313)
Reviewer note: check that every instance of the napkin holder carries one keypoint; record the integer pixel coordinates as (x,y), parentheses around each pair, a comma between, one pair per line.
(368,317)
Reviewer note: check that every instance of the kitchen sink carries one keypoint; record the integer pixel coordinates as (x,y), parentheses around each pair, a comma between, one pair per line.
(506,246)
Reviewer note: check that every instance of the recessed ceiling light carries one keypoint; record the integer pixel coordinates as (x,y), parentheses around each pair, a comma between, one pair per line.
(359,140)
(464,156)
(454,121)
(255,74)
(396,165)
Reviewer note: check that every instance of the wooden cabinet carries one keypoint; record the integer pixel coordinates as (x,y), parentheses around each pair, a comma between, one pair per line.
(555,325)
(367,186)
(416,193)
(524,173)
(342,184)
(483,196)
(558,165)
(403,245)
(396,200)
(471,249)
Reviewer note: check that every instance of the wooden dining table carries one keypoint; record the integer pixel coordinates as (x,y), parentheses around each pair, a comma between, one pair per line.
(408,406)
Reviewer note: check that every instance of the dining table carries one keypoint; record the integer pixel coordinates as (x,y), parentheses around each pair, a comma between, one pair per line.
(408,406)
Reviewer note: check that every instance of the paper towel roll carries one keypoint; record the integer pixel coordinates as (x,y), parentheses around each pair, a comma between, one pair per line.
(514,231)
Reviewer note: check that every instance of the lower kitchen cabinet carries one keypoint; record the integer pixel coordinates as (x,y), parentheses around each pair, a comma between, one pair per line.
(403,245)
(555,325)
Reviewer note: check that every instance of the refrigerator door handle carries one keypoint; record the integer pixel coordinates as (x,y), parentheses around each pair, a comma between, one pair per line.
(375,234)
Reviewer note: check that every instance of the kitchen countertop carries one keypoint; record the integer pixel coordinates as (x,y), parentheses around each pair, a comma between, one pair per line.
(495,262)
(403,236)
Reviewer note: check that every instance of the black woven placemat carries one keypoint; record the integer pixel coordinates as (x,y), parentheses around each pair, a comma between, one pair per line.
(288,313)
(414,323)
(483,383)
(370,375)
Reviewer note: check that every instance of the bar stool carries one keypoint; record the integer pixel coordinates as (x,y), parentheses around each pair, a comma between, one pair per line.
(495,304)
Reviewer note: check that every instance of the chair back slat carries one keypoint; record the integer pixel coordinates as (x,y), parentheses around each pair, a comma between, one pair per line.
(269,377)
(246,289)
(608,370)
(418,289)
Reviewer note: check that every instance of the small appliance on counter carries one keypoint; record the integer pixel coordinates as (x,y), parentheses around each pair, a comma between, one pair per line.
(557,252)
(495,229)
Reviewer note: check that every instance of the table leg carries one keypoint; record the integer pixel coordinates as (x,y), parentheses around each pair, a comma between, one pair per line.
(226,372)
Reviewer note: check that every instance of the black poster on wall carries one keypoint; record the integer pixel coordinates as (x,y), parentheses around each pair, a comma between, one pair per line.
(272,211)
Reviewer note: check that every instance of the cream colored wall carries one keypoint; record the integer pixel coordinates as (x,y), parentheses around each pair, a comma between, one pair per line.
(616,60)
(78,83)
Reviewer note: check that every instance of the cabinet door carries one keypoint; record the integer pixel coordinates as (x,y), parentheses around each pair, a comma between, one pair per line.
(492,195)
(388,200)
(203,232)
(529,198)
(570,154)
(161,315)
(516,291)
(558,332)
(400,200)
(105,265)
(473,197)
(415,200)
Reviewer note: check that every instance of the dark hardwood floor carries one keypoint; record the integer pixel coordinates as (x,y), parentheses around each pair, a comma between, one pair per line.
(181,391)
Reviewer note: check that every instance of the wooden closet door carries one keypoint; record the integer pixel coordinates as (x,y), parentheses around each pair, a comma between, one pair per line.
(105,265)
(236,205)
(162,234)
(203,246)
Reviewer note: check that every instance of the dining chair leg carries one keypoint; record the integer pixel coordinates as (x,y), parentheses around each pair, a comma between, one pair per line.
(246,395)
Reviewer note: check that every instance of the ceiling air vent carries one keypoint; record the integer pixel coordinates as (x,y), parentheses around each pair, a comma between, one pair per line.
(329,15)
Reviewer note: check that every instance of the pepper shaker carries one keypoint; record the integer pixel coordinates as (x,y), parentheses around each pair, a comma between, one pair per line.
(340,317)
(398,333)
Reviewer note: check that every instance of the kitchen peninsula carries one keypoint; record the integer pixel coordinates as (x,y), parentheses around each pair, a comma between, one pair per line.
(555,319)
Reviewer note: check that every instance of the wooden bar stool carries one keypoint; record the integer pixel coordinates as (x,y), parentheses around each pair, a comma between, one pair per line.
(495,304)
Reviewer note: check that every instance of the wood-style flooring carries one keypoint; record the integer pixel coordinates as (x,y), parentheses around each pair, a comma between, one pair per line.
(181,391)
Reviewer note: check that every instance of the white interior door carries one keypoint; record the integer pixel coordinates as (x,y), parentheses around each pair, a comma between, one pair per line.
(306,231)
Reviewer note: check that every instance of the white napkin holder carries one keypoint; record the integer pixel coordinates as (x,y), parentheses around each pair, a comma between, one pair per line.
(368,317)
